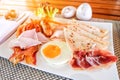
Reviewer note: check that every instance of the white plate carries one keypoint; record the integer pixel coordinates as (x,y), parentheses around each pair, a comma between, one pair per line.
(65,70)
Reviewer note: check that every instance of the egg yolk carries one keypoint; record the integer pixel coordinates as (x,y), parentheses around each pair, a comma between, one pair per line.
(51,51)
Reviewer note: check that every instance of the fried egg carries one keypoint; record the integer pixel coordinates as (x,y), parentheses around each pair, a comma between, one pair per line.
(56,52)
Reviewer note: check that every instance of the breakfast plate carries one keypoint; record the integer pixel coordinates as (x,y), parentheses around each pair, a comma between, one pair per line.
(65,69)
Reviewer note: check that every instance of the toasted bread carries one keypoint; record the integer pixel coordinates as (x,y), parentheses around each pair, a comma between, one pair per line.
(87,34)
(79,42)
(89,28)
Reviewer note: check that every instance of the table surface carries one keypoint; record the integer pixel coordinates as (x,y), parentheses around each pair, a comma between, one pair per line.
(22,72)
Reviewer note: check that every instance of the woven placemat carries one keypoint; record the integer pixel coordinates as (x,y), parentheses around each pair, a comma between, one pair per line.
(23,72)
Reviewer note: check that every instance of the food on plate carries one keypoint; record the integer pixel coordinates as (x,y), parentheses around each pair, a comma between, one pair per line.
(45,25)
(33,24)
(102,33)
(28,38)
(68,11)
(59,42)
(92,59)
(26,45)
(79,41)
(89,50)
(32,34)
(28,54)
(56,52)
(58,34)
(51,51)
(47,30)
(12,14)
(87,34)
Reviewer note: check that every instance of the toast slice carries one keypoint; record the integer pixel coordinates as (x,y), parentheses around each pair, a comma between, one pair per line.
(79,42)
(89,28)
(87,34)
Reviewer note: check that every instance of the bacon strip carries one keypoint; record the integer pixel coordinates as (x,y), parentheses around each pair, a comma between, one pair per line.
(26,46)
(28,54)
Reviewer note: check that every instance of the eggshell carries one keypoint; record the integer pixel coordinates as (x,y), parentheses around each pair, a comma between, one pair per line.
(68,11)
(84,12)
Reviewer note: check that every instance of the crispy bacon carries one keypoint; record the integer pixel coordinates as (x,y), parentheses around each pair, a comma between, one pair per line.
(31,34)
(17,56)
(26,46)
(29,55)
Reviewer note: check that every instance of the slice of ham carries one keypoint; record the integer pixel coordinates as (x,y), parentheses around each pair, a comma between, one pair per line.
(29,34)
(92,59)
(28,38)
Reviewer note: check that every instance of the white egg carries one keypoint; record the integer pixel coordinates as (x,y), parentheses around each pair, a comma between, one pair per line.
(65,54)
(68,11)
(84,12)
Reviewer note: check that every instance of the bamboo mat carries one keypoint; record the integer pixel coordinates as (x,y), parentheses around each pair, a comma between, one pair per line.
(22,72)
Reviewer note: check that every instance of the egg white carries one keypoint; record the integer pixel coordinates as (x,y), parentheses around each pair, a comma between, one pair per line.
(65,55)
